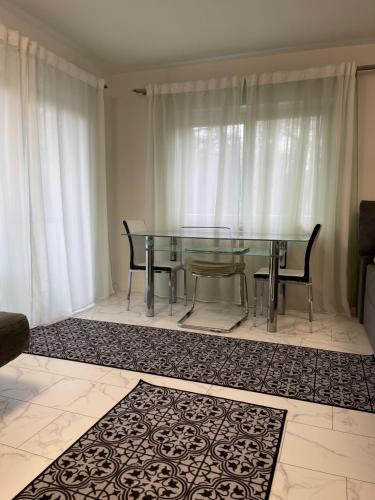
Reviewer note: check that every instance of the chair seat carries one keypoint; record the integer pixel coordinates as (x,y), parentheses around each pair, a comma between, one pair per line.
(210,267)
(284,274)
(162,265)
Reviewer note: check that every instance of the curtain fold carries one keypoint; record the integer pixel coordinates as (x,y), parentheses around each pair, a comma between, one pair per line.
(195,160)
(298,150)
(196,143)
(54,256)
(266,153)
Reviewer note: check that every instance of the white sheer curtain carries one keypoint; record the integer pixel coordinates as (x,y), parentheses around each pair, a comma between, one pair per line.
(196,148)
(265,153)
(54,256)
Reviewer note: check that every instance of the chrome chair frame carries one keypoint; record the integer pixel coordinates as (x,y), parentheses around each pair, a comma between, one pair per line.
(134,268)
(182,321)
(284,282)
(203,274)
(304,279)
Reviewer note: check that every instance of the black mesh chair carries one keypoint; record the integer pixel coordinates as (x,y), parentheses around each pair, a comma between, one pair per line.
(137,260)
(293,276)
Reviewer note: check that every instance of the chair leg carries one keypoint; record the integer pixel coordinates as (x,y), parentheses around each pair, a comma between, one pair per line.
(130,276)
(171,284)
(246,293)
(242,290)
(262,299)
(310,299)
(255,298)
(282,297)
(195,291)
(174,287)
(185,288)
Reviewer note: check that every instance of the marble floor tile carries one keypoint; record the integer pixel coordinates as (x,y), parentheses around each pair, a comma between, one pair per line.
(24,384)
(298,411)
(354,339)
(329,451)
(285,323)
(122,378)
(171,324)
(280,337)
(302,314)
(358,490)
(316,326)
(18,468)
(294,327)
(176,383)
(322,335)
(62,367)
(295,483)
(81,396)
(128,380)
(341,323)
(20,420)
(57,436)
(117,318)
(363,348)
(354,422)
(116,310)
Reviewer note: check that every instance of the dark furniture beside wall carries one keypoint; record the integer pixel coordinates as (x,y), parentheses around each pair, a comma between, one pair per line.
(369,306)
(14,336)
(366,281)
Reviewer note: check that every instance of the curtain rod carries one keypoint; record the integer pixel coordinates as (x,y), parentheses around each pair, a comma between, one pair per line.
(366,67)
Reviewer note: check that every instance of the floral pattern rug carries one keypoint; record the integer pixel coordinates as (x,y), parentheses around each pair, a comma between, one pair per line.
(316,375)
(160,443)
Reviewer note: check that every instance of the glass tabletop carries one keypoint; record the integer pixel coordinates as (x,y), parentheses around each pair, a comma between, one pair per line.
(221,234)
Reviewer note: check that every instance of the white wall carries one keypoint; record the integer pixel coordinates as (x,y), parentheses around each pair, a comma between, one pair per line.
(129,128)
(16,19)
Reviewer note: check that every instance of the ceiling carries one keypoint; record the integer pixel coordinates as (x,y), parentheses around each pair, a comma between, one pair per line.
(130,34)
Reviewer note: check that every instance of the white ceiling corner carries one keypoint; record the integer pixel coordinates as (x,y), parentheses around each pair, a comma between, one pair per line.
(128,34)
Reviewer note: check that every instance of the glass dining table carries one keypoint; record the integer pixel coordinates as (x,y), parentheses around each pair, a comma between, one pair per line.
(208,240)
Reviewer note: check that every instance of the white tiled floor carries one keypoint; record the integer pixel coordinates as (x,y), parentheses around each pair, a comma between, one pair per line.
(46,404)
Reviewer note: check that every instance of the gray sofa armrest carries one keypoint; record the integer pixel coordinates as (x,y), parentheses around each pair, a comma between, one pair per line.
(14,336)
(366,248)
(363,263)
(369,304)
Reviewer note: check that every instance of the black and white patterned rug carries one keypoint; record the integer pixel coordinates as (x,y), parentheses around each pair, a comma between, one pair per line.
(316,375)
(160,443)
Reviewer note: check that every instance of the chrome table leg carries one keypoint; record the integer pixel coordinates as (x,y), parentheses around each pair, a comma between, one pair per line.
(173,258)
(282,297)
(284,247)
(242,290)
(273,286)
(149,276)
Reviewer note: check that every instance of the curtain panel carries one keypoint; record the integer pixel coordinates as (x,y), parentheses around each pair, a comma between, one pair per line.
(54,256)
(267,153)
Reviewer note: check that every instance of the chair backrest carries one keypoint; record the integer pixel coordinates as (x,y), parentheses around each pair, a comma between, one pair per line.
(205,227)
(218,231)
(310,244)
(136,244)
(215,228)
